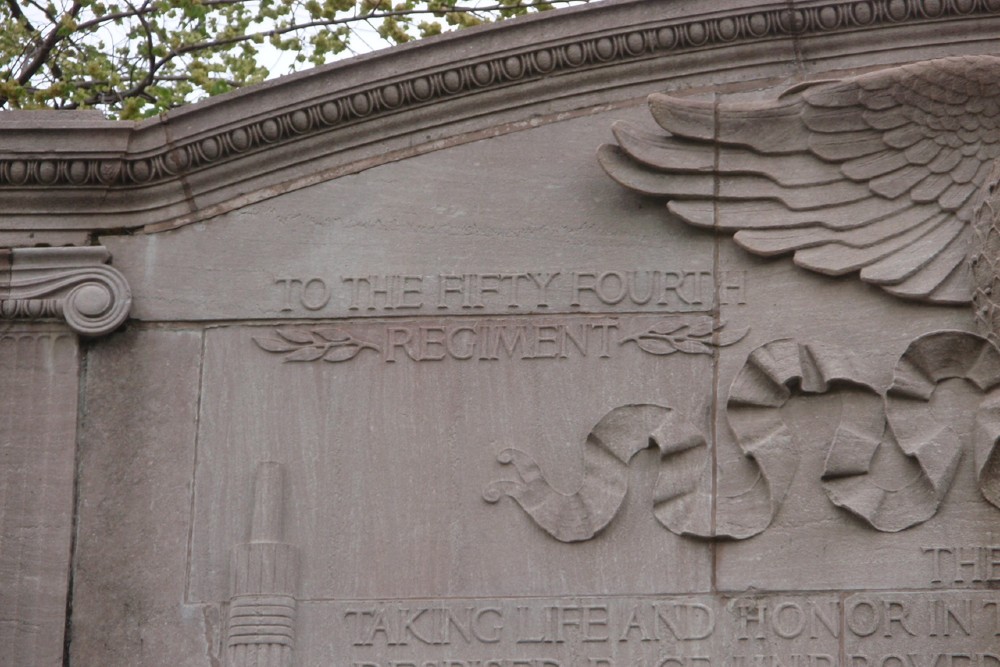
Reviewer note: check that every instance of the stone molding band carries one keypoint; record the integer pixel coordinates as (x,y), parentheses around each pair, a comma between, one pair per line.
(385,97)
(73,284)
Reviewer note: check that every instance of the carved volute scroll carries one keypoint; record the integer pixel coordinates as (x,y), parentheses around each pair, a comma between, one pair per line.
(263,581)
(74,284)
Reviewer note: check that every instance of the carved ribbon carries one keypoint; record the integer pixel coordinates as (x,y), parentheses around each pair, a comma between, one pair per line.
(764,384)
(617,437)
(869,417)
(873,417)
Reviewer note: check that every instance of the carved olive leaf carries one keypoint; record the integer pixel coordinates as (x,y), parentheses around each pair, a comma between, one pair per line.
(702,327)
(667,327)
(342,352)
(655,345)
(333,334)
(306,354)
(274,344)
(692,347)
(732,337)
(296,335)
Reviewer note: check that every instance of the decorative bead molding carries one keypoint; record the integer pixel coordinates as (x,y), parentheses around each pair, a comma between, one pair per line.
(385,97)
(74,284)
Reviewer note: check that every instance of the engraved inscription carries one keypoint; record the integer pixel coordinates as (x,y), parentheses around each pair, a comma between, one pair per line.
(758,618)
(963,564)
(503,339)
(943,629)
(529,622)
(890,629)
(494,340)
(655,290)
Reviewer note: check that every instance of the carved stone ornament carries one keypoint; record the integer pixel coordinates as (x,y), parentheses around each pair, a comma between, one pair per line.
(658,36)
(892,419)
(73,284)
(263,580)
(890,174)
(876,173)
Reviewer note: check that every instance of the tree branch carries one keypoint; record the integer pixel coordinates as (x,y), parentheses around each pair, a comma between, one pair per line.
(136,69)
(155,7)
(15,11)
(44,49)
(227,41)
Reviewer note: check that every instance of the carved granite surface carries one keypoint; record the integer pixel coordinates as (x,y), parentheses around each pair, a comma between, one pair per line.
(383,370)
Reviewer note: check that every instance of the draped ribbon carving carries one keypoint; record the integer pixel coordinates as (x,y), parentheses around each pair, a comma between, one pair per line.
(873,417)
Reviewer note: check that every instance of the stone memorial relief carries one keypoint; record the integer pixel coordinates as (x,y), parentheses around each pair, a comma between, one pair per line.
(888,175)
(689,457)
(885,174)
(649,334)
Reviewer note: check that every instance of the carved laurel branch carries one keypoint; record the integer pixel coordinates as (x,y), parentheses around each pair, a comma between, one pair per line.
(485,74)
(326,343)
(71,283)
(700,336)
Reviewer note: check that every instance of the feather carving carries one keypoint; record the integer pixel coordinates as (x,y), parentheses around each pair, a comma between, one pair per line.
(875,174)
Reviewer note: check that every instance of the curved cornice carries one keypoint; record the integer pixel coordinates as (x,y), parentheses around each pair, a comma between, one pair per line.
(197,161)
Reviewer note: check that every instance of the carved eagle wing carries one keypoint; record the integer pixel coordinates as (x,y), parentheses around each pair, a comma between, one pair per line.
(875,173)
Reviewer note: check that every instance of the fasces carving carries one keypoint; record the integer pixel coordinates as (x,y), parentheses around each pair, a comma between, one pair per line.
(72,283)
(894,419)
(387,97)
(875,173)
(264,577)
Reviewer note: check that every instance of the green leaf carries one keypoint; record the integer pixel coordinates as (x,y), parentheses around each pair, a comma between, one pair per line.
(103,52)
